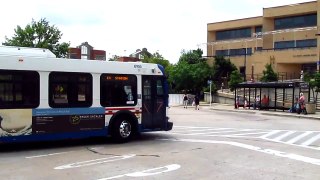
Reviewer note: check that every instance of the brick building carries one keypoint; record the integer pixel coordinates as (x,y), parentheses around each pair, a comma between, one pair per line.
(86,51)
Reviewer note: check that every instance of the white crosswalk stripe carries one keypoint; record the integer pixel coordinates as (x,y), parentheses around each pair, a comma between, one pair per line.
(284,135)
(311,140)
(308,139)
(297,138)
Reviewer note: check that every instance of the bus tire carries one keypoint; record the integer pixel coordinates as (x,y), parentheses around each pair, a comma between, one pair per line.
(122,130)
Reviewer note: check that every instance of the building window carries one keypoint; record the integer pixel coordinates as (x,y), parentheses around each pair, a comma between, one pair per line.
(295,22)
(118,90)
(19,89)
(258,48)
(233,34)
(100,57)
(222,53)
(234,52)
(73,56)
(306,43)
(297,44)
(258,29)
(284,45)
(84,50)
(70,89)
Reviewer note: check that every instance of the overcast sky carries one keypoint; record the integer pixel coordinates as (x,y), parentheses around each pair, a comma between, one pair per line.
(121,26)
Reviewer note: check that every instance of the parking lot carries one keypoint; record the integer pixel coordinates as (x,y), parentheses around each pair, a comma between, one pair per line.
(204,144)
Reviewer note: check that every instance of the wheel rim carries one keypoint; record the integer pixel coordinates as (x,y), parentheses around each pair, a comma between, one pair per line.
(125,129)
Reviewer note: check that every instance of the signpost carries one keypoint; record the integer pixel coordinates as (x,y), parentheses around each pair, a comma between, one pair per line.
(209,83)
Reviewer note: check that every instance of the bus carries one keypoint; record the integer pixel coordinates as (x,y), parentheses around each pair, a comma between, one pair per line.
(47,98)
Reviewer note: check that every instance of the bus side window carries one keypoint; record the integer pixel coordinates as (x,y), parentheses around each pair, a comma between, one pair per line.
(60,95)
(118,90)
(159,88)
(70,89)
(19,89)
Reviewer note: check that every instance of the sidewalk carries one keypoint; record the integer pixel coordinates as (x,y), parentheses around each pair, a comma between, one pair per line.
(229,107)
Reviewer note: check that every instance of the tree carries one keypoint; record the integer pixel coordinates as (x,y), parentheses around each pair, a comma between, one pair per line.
(221,70)
(157,59)
(314,83)
(235,78)
(268,74)
(39,35)
(114,58)
(190,75)
(192,57)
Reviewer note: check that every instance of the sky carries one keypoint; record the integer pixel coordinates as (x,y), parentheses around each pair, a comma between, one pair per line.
(120,27)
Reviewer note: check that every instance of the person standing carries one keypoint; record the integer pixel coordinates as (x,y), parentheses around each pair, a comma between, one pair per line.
(197,102)
(185,101)
(237,102)
(245,103)
(302,104)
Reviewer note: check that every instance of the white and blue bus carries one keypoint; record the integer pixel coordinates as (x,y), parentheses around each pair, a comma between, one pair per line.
(47,98)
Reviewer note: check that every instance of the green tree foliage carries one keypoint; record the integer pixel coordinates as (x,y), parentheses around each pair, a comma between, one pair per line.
(221,70)
(114,58)
(268,74)
(39,35)
(157,59)
(192,57)
(235,78)
(314,83)
(190,75)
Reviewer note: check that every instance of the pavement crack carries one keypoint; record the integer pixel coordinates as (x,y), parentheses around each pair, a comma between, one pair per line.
(110,154)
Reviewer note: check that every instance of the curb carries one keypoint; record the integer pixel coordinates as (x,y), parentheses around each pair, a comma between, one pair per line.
(268,113)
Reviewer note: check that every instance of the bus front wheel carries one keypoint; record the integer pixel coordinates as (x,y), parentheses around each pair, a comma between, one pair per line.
(122,130)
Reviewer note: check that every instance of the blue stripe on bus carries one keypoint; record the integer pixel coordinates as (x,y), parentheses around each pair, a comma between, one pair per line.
(67,111)
(55,136)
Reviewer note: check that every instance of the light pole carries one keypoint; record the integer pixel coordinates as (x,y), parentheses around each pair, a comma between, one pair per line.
(210,99)
(252,72)
(245,64)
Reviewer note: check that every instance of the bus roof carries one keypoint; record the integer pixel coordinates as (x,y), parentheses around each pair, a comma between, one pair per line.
(41,63)
(26,51)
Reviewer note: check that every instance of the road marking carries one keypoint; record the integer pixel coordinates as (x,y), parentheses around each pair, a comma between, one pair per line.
(311,140)
(45,155)
(244,134)
(148,172)
(199,130)
(95,161)
(297,138)
(284,135)
(270,134)
(196,127)
(218,132)
(254,148)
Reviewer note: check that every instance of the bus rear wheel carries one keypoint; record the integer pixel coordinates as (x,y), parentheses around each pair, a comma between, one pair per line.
(122,130)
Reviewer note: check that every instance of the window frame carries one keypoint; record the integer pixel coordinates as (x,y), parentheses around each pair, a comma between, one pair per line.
(72,81)
(29,93)
(109,84)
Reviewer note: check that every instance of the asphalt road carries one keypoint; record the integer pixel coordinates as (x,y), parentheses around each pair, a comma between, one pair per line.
(204,144)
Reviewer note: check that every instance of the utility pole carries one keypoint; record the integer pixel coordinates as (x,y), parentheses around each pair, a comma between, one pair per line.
(210,99)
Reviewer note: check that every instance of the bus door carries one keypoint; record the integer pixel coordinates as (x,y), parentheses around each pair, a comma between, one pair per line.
(153,102)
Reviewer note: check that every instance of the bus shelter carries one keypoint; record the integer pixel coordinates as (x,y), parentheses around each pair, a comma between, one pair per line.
(270,95)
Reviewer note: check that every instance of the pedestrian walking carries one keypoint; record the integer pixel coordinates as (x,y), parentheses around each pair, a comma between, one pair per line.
(185,101)
(196,102)
(302,104)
